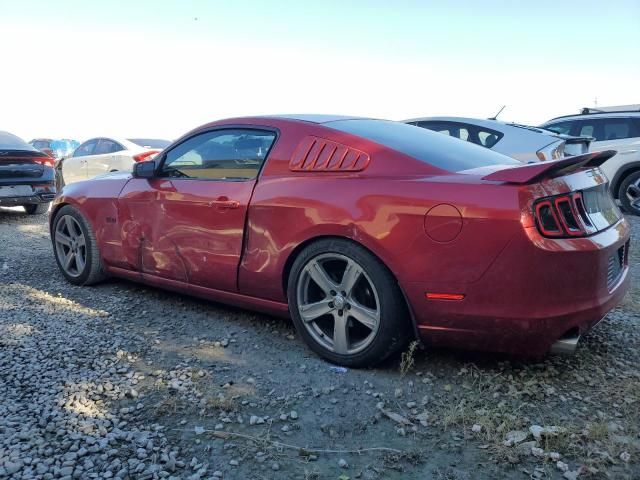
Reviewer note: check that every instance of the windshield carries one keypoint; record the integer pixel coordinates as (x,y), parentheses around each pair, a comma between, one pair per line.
(433,148)
(150,142)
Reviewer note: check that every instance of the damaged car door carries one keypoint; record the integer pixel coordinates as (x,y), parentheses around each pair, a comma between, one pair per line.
(187,222)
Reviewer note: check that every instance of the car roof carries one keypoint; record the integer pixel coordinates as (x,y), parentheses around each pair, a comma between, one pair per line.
(120,140)
(494,124)
(498,125)
(315,118)
(579,116)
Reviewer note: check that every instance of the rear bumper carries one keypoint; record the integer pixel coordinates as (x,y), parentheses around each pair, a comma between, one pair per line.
(536,292)
(33,189)
(32,199)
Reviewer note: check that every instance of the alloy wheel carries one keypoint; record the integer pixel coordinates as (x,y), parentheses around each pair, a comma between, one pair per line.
(338,303)
(71,246)
(633,194)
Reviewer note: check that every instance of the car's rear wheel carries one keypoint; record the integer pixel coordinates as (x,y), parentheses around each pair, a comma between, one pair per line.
(629,193)
(36,208)
(75,247)
(346,304)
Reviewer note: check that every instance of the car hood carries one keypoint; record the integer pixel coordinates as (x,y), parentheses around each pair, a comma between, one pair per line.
(112,176)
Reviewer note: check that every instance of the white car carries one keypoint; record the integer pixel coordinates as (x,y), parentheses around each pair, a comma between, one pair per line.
(524,143)
(103,155)
(614,128)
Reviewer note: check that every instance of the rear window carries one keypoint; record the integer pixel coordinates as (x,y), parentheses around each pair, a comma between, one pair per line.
(40,144)
(150,142)
(430,147)
(11,142)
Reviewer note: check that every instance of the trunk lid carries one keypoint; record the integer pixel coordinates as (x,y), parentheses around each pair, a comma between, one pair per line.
(23,164)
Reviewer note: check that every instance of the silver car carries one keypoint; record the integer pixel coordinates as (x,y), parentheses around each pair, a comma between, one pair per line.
(613,128)
(524,143)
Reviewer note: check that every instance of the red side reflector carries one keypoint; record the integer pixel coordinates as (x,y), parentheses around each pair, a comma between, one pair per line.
(444,296)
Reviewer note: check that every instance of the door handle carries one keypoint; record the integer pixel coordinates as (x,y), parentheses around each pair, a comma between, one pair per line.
(225,204)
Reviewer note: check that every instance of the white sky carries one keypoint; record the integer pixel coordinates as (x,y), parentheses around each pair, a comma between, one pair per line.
(87,79)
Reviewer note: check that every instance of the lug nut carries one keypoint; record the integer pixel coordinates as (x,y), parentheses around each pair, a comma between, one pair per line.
(340,312)
(331,305)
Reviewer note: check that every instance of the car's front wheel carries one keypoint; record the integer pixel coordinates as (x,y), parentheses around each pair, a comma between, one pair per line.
(36,208)
(75,247)
(346,304)
(629,193)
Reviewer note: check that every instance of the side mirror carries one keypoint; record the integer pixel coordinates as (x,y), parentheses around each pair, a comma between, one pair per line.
(144,169)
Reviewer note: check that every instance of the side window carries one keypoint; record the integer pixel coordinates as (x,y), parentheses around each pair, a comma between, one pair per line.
(464,131)
(589,128)
(561,127)
(488,138)
(618,128)
(85,149)
(440,127)
(234,154)
(107,146)
(457,130)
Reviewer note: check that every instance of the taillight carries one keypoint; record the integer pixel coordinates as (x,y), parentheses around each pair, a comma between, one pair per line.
(47,161)
(141,157)
(547,219)
(568,216)
(555,151)
(563,216)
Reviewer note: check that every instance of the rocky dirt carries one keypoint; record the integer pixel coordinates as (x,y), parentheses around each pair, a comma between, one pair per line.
(124,381)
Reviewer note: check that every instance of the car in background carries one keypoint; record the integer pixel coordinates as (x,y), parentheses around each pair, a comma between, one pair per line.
(55,148)
(613,128)
(367,232)
(27,177)
(522,142)
(102,155)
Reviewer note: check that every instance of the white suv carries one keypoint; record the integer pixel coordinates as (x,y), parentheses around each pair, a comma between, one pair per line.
(614,128)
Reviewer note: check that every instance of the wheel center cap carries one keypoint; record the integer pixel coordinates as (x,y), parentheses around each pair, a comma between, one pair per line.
(339,302)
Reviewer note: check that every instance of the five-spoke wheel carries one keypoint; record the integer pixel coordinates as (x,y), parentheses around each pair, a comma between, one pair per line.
(346,304)
(71,245)
(338,303)
(75,247)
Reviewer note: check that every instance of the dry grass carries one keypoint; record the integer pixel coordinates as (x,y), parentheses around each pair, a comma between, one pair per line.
(407,360)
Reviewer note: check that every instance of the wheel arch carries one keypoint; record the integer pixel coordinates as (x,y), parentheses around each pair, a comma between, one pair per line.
(621,174)
(55,208)
(286,272)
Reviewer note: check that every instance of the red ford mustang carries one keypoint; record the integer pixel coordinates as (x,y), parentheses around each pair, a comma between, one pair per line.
(367,232)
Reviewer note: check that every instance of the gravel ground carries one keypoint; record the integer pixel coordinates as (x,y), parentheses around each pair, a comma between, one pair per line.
(125,381)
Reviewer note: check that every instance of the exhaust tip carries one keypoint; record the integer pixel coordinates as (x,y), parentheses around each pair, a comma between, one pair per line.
(566,345)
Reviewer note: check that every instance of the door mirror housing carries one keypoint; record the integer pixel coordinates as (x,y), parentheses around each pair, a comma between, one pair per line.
(144,169)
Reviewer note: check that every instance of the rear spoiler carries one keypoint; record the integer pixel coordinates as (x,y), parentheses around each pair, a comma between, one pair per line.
(536,171)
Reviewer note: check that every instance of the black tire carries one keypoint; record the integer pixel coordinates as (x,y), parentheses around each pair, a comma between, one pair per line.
(393,329)
(36,208)
(631,184)
(93,271)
